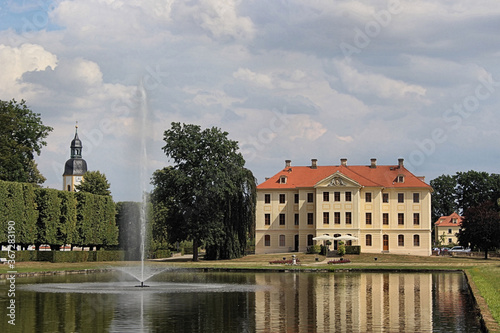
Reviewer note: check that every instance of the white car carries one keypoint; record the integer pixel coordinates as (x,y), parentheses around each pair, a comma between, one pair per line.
(459,249)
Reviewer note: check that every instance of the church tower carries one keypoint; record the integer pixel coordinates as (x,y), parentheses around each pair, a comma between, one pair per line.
(75,167)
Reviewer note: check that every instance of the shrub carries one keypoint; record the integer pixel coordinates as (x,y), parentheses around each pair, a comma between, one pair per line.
(314,249)
(340,261)
(341,250)
(353,249)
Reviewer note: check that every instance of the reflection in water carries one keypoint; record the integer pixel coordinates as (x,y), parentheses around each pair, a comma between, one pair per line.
(248,302)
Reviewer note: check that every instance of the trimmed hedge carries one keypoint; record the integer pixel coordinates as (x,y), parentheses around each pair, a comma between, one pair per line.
(66,256)
(160,254)
(353,249)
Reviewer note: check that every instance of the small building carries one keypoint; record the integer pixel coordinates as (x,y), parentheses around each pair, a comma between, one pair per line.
(76,166)
(446,229)
(386,207)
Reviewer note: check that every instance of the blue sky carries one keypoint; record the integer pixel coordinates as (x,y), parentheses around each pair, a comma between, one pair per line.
(297,80)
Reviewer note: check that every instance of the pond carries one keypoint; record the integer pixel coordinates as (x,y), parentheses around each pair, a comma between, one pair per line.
(194,301)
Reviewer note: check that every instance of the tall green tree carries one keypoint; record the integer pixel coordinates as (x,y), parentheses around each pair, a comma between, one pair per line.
(207,196)
(94,182)
(443,199)
(22,135)
(480,227)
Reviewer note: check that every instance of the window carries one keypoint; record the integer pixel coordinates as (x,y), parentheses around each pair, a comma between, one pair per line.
(348,218)
(454,221)
(267,219)
(401,218)
(310,218)
(368,218)
(416,197)
(282,240)
(401,240)
(337,217)
(385,218)
(326,196)
(416,240)
(326,218)
(337,196)
(449,241)
(368,197)
(310,197)
(282,219)
(296,198)
(385,197)
(309,240)
(416,218)
(283,180)
(296,219)
(267,198)
(401,197)
(368,240)
(400,179)
(348,196)
(282,198)
(267,240)
(449,231)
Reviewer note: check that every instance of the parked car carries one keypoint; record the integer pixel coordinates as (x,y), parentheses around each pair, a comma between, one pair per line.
(459,249)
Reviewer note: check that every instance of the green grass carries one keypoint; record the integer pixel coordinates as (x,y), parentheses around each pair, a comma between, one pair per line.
(485,274)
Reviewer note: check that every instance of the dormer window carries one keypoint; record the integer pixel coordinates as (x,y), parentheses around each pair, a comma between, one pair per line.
(400,179)
(454,221)
(283,179)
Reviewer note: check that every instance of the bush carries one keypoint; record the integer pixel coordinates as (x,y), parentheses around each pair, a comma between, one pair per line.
(341,250)
(160,254)
(353,249)
(109,255)
(21,255)
(340,261)
(314,249)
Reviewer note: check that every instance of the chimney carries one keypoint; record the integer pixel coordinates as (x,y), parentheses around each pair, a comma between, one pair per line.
(314,163)
(267,178)
(400,163)
(373,163)
(343,161)
(288,163)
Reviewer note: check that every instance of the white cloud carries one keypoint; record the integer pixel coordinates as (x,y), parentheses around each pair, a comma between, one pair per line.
(258,79)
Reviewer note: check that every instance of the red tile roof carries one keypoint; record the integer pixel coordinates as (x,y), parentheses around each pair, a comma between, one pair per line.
(379,176)
(447,221)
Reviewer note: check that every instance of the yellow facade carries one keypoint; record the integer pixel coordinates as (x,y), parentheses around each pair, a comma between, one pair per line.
(287,218)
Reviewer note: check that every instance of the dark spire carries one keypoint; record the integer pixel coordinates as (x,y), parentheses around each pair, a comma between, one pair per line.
(76,145)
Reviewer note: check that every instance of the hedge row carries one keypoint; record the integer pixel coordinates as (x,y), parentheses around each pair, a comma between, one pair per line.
(66,256)
(56,218)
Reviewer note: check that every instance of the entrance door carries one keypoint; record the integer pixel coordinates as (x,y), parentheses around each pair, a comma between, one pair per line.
(386,242)
(296,243)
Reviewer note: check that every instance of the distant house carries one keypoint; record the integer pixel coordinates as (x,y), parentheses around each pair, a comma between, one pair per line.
(385,206)
(449,227)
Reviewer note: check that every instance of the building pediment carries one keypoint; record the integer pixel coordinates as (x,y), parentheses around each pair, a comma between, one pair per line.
(338,179)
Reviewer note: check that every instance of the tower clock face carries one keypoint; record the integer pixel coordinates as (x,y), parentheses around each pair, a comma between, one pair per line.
(78,179)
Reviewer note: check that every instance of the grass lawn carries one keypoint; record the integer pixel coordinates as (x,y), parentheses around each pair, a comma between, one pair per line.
(485,274)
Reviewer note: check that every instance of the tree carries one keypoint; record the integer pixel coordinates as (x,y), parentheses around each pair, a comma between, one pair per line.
(22,135)
(443,200)
(208,196)
(481,227)
(94,182)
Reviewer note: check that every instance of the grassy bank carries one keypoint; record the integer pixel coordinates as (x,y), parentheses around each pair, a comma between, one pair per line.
(484,274)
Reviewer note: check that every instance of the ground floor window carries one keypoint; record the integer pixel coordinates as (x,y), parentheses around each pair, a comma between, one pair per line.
(368,240)
(416,240)
(310,240)
(267,240)
(282,240)
(401,240)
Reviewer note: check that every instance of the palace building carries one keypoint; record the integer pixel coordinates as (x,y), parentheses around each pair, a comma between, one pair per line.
(76,166)
(386,207)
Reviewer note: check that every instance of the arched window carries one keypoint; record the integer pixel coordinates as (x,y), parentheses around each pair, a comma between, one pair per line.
(401,240)
(282,240)
(368,240)
(267,240)
(309,240)
(416,240)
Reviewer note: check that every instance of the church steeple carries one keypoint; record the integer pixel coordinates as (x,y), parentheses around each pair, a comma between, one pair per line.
(76,145)
(75,167)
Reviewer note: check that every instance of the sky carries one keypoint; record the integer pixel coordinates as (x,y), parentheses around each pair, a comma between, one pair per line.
(297,80)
